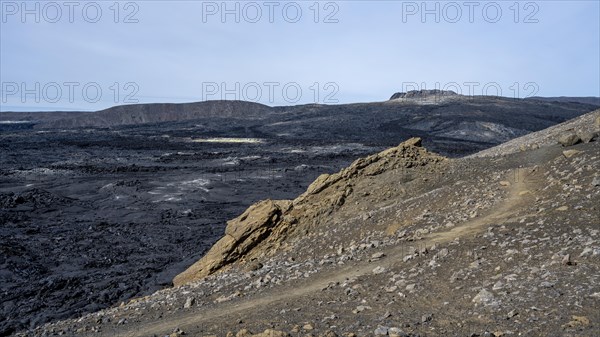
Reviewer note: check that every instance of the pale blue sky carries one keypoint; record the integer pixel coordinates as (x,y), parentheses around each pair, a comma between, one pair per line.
(375,49)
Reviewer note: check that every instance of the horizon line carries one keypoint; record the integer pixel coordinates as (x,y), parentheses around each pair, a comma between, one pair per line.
(75,110)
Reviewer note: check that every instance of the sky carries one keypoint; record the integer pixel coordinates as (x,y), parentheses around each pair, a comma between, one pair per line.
(91,55)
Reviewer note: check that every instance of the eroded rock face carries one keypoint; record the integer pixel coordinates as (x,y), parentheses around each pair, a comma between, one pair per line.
(267,223)
(241,235)
(422,93)
(407,154)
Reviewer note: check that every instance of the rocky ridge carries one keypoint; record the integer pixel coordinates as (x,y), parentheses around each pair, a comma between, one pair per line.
(269,222)
(418,245)
(581,129)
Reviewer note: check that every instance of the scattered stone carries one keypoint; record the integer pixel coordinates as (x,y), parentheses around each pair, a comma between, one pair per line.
(244,333)
(255,266)
(570,153)
(396,332)
(390,289)
(378,270)
(577,321)
(381,331)
(484,297)
(569,139)
(177,332)
(361,308)
(505,183)
(308,327)
(586,251)
(225,298)
(566,260)
(475,264)
(272,333)
(511,314)
(442,253)
(189,302)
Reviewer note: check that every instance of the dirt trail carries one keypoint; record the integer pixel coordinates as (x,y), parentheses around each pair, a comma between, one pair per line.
(520,192)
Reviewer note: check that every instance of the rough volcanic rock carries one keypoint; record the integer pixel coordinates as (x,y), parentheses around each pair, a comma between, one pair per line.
(422,94)
(569,139)
(241,235)
(407,155)
(587,136)
(267,223)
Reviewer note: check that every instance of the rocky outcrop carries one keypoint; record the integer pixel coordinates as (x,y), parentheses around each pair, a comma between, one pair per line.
(241,235)
(423,94)
(408,154)
(266,224)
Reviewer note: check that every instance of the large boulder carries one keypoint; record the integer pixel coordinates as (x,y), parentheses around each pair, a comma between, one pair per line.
(569,139)
(241,235)
(587,136)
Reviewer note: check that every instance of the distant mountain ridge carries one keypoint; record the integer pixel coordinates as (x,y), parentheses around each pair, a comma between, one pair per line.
(145,113)
(584,100)
(448,123)
(142,114)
